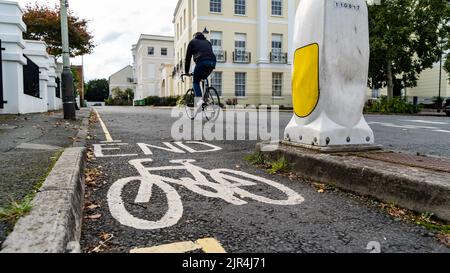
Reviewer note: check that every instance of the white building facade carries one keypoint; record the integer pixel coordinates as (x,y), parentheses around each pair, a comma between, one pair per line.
(122,79)
(151,55)
(28,82)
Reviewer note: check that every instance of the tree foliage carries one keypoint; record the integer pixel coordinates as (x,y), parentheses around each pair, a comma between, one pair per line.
(97,90)
(406,37)
(44,24)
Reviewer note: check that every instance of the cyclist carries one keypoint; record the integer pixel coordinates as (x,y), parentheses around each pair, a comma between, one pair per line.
(201,49)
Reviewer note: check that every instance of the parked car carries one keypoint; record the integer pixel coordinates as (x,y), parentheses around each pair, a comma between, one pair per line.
(447,107)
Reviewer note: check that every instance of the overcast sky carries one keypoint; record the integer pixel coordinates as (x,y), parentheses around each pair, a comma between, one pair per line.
(116,25)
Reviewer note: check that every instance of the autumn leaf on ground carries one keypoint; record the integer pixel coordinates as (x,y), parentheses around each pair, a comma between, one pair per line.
(92,207)
(444,238)
(106,236)
(94,217)
(321,188)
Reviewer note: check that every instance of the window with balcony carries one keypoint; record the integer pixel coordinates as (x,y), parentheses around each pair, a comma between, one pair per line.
(240,54)
(163,51)
(277,55)
(215,6)
(240,7)
(277,84)
(151,51)
(216,81)
(277,7)
(216,41)
(240,84)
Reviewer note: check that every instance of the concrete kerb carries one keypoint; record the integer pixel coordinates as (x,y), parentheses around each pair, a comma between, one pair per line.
(54,224)
(417,189)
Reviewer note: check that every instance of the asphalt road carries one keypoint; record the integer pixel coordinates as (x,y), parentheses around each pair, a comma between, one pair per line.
(154,191)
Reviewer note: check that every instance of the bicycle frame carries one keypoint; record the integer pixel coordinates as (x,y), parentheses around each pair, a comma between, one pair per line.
(204,84)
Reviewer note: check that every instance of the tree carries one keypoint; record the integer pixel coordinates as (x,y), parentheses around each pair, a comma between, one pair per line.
(43,24)
(97,90)
(405,37)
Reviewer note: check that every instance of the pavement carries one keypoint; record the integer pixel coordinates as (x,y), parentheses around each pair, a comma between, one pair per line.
(29,147)
(148,193)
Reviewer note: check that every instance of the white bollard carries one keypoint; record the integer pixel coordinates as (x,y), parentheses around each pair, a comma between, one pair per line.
(330,71)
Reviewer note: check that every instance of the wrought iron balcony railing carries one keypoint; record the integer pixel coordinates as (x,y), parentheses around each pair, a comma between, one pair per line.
(221,55)
(278,57)
(241,56)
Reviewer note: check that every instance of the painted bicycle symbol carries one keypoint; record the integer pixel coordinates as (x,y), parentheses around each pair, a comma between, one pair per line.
(229,185)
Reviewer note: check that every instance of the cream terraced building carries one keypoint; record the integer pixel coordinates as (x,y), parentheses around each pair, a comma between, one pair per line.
(251,39)
(153,55)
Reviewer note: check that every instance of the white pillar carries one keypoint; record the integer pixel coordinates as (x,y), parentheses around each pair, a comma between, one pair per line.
(11,29)
(51,87)
(263,29)
(330,71)
(37,52)
(291,20)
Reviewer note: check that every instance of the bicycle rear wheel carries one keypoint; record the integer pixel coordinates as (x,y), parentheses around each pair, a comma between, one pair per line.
(213,107)
(189,103)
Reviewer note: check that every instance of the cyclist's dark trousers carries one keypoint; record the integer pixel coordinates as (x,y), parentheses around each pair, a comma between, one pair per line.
(202,71)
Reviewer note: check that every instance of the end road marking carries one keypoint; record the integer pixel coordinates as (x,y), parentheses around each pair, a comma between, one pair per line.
(104,128)
(208,245)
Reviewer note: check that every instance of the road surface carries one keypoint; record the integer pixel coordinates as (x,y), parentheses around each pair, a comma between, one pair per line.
(156,194)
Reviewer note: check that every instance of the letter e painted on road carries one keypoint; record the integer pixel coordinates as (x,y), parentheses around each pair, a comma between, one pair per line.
(99,148)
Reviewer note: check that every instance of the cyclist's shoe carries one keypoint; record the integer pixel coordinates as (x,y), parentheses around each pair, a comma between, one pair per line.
(199,106)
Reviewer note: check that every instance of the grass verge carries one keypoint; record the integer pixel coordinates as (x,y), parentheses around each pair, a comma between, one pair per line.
(20,208)
(280,165)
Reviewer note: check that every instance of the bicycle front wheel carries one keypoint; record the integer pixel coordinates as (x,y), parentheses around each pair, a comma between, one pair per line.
(213,106)
(189,103)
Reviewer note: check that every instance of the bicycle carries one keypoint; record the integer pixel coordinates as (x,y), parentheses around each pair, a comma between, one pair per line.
(224,184)
(211,107)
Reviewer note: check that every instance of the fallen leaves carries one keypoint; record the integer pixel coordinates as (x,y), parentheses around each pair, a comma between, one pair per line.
(321,188)
(94,216)
(91,176)
(444,238)
(92,206)
(93,118)
(105,238)
(393,210)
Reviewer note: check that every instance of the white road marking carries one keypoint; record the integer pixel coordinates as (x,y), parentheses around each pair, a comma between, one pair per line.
(429,122)
(214,148)
(104,128)
(407,126)
(224,184)
(169,148)
(99,148)
(31,146)
(442,131)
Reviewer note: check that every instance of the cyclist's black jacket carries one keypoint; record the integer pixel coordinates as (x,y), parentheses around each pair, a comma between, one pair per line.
(201,49)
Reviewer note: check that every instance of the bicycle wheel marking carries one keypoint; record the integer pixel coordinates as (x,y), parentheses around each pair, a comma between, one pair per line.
(227,185)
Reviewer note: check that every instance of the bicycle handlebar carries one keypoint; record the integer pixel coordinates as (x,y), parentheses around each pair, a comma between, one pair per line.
(186,75)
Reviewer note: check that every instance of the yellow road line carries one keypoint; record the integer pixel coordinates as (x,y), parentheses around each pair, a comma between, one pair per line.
(211,245)
(104,128)
(182,247)
(207,245)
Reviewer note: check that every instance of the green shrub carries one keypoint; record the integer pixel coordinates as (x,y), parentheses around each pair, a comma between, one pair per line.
(395,105)
(158,101)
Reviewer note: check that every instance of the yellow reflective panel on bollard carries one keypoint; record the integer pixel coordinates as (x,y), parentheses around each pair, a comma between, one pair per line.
(305,80)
